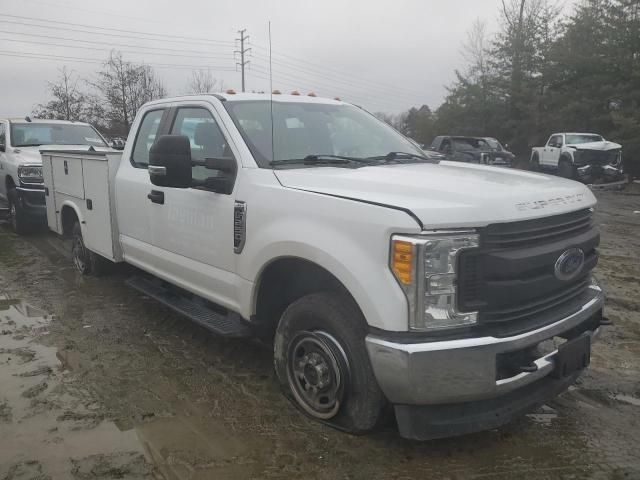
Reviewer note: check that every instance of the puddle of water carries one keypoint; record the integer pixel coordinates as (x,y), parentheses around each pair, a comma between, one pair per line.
(47,430)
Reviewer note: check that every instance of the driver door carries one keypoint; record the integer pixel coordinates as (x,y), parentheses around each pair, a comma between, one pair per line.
(193,228)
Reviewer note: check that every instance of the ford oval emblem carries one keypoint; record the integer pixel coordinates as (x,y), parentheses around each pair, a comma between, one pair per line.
(569,264)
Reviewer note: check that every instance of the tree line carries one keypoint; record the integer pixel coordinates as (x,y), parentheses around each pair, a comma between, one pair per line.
(110,99)
(542,72)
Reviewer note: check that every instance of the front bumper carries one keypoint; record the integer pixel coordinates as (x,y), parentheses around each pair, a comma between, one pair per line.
(32,202)
(467,370)
(608,173)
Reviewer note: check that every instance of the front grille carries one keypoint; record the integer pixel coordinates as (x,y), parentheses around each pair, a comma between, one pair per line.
(597,157)
(510,279)
(530,232)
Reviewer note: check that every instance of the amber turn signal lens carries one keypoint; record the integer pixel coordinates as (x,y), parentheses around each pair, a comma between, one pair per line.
(402,261)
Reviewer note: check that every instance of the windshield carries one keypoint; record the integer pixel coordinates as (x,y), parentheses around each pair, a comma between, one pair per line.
(576,139)
(493,143)
(313,129)
(470,144)
(36,134)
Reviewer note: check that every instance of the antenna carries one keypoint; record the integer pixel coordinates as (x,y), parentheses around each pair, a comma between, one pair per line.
(273,155)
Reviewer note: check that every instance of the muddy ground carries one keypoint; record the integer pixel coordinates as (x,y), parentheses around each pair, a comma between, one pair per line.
(98,382)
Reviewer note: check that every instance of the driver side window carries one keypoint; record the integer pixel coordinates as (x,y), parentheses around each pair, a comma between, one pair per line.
(556,141)
(205,137)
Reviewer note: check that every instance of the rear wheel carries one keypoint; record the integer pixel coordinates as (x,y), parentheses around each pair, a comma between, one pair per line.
(322,363)
(17,216)
(535,163)
(85,261)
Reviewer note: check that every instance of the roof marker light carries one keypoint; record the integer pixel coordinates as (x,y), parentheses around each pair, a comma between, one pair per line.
(231,91)
(312,94)
(295,92)
(276,92)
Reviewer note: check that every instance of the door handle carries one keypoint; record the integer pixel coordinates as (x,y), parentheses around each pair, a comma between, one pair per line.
(156,196)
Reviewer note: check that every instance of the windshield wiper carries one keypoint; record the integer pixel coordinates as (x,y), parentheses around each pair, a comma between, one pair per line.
(319,160)
(392,156)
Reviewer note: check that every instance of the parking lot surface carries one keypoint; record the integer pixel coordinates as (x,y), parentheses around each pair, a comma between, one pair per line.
(99,382)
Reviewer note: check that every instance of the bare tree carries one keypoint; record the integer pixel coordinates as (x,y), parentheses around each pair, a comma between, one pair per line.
(203,81)
(124,88)
(69,102)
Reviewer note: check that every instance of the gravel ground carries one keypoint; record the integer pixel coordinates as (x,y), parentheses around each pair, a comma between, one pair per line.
(99,382)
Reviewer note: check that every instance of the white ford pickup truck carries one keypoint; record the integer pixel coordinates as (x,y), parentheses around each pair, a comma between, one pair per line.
(579,156)
(460,294)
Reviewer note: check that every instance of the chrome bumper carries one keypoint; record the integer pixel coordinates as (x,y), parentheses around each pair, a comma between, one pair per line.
(464,370)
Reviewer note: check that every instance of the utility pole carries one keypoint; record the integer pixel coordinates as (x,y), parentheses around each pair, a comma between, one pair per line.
(242,51)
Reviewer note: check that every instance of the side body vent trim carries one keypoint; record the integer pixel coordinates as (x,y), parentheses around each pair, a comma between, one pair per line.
(239,226)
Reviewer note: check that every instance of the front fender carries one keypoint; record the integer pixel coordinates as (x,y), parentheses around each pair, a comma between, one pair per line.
(349,239)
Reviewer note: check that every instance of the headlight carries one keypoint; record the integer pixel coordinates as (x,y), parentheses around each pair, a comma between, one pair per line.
(30,173)
(425,267)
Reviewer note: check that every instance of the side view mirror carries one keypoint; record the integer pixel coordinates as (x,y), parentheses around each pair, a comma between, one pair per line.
(170,162)
(222,183)
(3,147)
(170,165)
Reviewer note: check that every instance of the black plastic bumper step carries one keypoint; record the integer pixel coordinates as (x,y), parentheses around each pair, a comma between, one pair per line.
(227,325)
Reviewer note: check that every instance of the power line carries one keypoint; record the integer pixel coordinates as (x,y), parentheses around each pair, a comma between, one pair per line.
(111,49)
(10,53)
(119,30)
(335,71)
(113,45)
(324,85)
(297,83)
(243,38)
(347,84)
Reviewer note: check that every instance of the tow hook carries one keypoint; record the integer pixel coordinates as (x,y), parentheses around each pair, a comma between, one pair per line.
(604,321)
(532,367)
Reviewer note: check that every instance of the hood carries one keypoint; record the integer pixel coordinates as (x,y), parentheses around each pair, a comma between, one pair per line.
(602,146)
(448,194)
(27,155)
(31,155)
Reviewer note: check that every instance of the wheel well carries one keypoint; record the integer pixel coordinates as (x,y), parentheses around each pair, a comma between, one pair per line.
(565,157)
(69,217)
(286,280)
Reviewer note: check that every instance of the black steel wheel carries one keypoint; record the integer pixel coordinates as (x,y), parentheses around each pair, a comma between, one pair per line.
(317,370)
(79,253)
(322,363)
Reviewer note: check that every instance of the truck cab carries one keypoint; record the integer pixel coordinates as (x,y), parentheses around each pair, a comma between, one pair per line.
(21,185)
(379,275)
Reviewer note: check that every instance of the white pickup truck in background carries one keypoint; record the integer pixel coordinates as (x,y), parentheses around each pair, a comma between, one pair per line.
(579,156)
(460,294)
(20,164)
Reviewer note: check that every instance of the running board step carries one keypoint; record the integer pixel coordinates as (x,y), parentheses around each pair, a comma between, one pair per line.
(226,325)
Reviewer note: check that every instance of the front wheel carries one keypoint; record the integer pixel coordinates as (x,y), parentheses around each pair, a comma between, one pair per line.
(322,364)
(566,169)
(17,216)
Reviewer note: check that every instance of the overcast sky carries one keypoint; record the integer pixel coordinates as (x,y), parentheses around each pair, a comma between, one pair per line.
(386,55)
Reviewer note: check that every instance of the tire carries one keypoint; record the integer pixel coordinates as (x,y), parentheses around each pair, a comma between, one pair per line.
(17,216)
(320,338)
(85,261)
(534,165)
(566,169)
